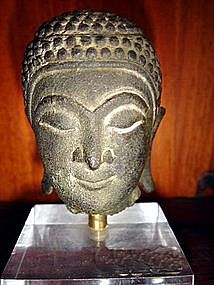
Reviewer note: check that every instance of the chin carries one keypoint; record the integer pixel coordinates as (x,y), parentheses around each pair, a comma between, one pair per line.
(102,201)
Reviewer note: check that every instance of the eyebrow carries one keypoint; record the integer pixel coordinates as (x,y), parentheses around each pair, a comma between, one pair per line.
(49,99)
(119,91)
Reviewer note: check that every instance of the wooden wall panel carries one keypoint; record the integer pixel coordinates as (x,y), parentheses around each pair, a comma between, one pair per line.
(182,33)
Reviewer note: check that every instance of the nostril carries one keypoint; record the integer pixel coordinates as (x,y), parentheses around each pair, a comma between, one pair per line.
(108,156)
(77,155)
(92,162)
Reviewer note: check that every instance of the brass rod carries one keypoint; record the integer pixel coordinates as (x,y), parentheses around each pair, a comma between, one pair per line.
(97,222)
(98,225)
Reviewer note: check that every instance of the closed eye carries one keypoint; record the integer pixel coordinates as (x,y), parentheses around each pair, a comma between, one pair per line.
(125,118)
(55,127)
(56,122)
(127,130)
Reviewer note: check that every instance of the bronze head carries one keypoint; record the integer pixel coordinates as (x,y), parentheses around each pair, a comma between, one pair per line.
(92,87)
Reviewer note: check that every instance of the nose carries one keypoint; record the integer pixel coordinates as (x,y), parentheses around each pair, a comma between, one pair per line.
(87,155)
(92,150)
(92,162)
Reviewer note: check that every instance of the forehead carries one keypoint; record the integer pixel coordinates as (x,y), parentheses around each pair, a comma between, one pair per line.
(90,87)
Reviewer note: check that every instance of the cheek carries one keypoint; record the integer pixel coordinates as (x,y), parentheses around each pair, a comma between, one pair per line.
(130,151)
(56,149)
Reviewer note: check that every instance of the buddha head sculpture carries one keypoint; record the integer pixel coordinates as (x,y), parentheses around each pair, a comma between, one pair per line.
(92,87)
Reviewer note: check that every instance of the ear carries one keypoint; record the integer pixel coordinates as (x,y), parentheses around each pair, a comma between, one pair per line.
(146,180)
(159,117)
(47,188)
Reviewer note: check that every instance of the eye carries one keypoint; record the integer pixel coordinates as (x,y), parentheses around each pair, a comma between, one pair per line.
(125,120)
(129,129)
(57,121)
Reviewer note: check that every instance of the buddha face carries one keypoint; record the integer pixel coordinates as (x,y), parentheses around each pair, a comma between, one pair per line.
(93,128)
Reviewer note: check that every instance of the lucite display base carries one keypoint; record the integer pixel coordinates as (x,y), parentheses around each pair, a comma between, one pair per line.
(54,248)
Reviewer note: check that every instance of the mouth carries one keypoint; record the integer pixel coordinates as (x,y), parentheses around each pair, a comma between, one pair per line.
(95,185)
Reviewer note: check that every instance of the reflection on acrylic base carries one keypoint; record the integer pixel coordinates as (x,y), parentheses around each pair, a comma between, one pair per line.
(54,248)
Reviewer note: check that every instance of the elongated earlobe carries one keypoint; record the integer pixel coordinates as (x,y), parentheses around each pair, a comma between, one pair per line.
(159,117)
(47,188)
(146,180)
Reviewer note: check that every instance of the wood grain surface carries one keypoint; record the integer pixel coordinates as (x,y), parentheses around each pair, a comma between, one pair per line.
(182,34)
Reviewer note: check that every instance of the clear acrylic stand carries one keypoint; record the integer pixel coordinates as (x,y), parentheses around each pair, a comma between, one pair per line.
(54,248)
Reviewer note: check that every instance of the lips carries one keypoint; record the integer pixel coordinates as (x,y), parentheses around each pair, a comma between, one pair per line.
(95,184)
